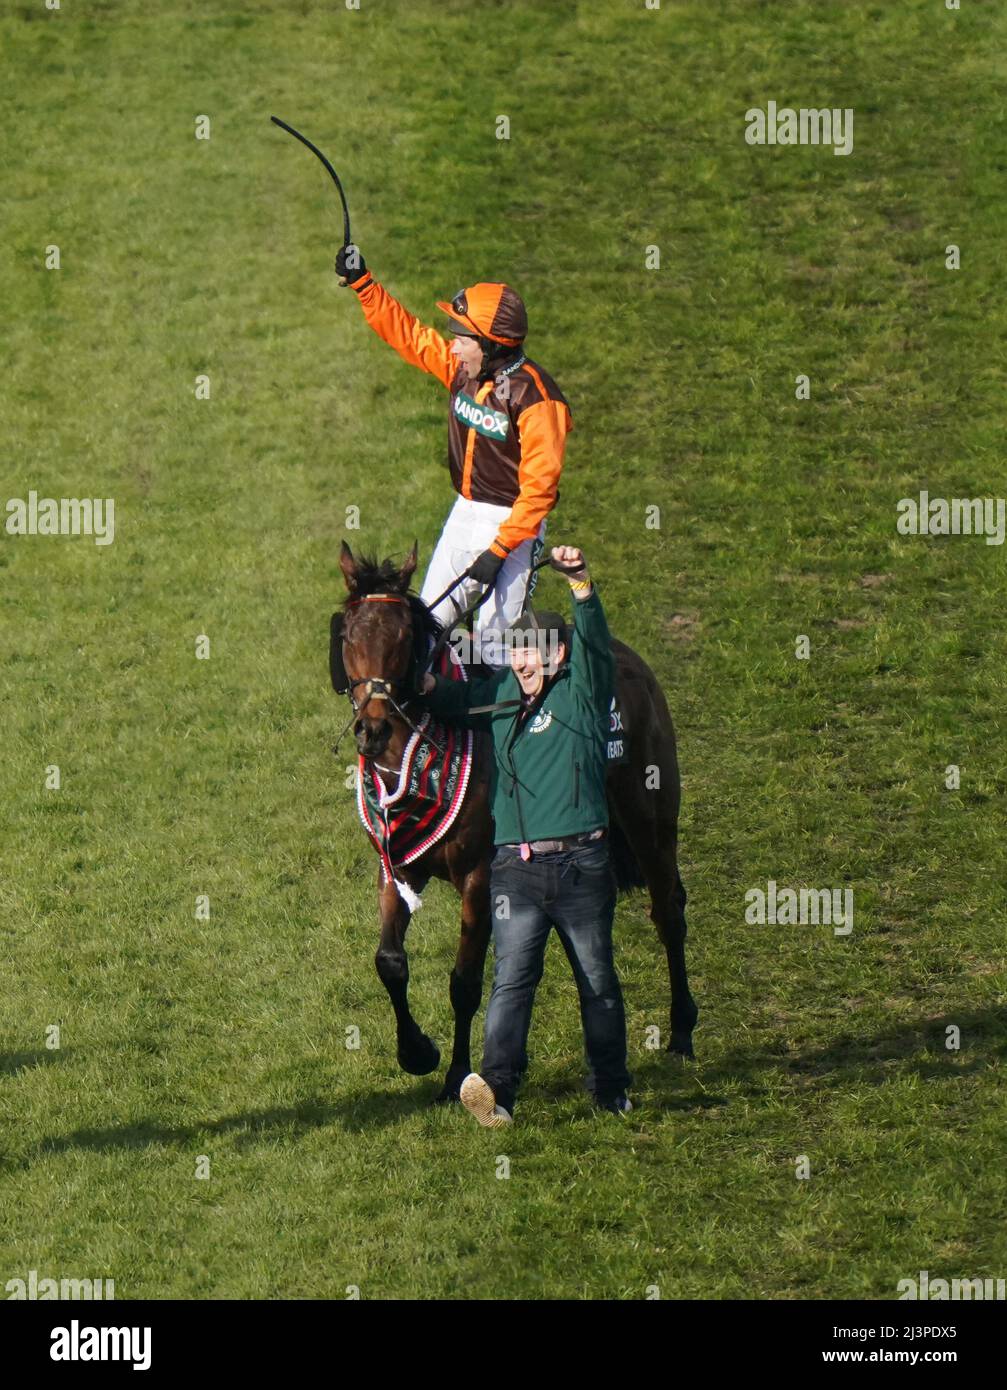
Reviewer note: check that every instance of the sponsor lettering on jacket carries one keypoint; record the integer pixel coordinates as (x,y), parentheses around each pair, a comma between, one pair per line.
(492,423)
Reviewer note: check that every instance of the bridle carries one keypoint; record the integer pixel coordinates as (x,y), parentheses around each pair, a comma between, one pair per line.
(376,687)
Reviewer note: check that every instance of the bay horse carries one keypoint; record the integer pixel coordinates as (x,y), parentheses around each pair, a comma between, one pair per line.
(378,650)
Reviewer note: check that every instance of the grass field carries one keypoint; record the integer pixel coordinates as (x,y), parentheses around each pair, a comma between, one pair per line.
(182,1037)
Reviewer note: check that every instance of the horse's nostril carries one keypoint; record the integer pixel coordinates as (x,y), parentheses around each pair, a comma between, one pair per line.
(372,735)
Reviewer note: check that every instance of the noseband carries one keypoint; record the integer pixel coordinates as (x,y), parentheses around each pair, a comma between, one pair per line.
(376,687)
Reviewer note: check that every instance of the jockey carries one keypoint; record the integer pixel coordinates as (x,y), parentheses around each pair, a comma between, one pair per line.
(507,428)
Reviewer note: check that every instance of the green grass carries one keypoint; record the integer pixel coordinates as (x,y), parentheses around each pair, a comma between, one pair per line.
(225,1038)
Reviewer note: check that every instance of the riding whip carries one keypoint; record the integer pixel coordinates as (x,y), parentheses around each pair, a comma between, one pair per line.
(332,173)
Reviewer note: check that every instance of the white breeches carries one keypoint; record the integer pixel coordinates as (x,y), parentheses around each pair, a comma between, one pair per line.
(470,529)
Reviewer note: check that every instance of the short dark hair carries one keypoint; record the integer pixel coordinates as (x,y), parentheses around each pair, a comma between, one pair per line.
(544,630)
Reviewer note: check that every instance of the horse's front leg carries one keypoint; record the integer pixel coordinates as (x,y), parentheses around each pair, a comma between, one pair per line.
(417,1053)
(467,975)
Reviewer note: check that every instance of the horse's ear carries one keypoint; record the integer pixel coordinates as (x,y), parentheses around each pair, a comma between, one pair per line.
(409,568)
(348,566)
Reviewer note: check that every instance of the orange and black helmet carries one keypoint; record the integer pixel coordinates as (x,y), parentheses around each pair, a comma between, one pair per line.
(488,311)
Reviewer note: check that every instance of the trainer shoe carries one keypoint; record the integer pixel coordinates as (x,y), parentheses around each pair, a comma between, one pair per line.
(618,1105)
(478,1098)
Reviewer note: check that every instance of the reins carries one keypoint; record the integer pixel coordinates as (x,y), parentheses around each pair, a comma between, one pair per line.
(445,636)
(380,689)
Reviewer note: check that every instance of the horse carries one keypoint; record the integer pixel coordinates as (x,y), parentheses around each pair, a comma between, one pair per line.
(378,651)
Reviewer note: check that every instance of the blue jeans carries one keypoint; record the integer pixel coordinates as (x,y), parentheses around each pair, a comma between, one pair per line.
(573,891)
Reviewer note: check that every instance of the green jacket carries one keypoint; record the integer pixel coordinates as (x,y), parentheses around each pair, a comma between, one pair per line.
(548,776)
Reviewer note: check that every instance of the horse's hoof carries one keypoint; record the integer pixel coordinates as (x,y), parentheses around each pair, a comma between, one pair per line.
(453,1085)
(681,1046)
(421,1057)
(448,1096)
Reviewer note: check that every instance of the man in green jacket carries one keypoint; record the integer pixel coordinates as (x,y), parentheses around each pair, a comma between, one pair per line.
(551,865)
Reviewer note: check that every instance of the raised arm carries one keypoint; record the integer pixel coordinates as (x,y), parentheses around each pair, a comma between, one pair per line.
(415,343)
(592,669)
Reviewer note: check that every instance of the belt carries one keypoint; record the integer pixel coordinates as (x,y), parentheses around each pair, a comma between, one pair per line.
(586,837)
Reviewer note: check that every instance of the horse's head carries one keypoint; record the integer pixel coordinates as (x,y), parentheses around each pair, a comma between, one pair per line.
(378,644)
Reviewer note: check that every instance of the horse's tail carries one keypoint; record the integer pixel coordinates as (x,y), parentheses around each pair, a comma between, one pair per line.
(627,869)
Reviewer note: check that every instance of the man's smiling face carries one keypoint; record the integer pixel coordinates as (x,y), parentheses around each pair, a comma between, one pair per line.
(469,354)
(529,667)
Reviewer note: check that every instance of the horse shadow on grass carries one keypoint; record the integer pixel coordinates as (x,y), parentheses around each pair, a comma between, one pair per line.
(359,1112)
(874,1057)
(870,1057)
(11,1063)
(867,1057)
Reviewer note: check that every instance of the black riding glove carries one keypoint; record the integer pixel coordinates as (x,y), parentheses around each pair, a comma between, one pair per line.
(486,567)
(350,264)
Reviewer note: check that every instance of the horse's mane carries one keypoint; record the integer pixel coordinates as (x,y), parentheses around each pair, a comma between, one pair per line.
(384,577)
